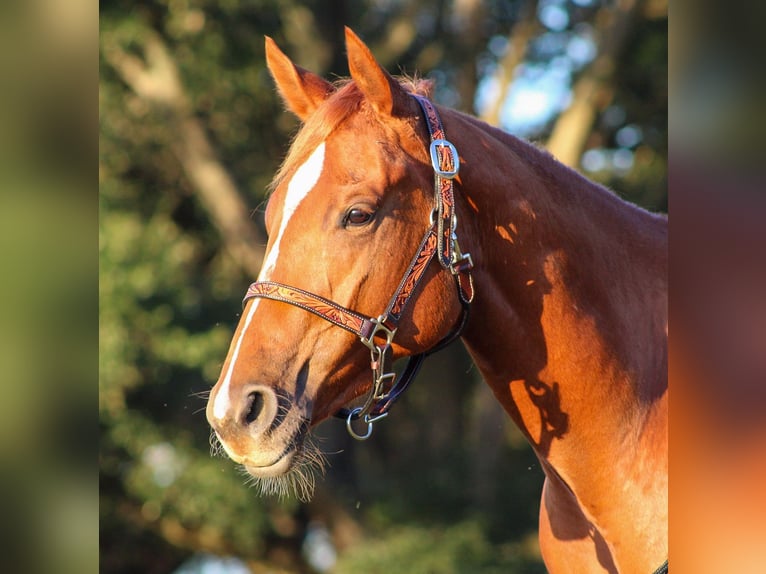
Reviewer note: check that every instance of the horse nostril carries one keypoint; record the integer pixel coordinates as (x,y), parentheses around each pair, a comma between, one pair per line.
(254,407)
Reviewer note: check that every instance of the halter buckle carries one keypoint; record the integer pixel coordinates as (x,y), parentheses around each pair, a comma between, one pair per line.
(460,262)
(437,163)
(379,328)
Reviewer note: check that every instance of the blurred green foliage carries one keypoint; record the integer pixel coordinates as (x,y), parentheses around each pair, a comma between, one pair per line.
(460,548)
(447,485)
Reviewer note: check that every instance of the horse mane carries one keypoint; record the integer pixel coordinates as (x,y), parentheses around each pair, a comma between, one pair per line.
(343,102)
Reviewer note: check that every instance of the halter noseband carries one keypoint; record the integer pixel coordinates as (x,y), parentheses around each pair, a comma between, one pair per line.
(378,333)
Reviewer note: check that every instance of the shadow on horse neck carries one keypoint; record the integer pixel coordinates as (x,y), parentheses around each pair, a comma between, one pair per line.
(569,329)
(567,274)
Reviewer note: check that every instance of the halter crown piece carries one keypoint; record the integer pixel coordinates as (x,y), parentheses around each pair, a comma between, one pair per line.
(378,333)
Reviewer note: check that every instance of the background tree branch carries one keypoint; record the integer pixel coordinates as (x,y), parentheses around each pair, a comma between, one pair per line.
(522,32)
(593,90)
(158,82)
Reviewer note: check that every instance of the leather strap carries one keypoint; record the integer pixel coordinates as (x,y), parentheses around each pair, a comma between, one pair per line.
(324,308)
(444,162)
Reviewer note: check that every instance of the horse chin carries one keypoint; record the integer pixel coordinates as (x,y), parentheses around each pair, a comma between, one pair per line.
(292,474)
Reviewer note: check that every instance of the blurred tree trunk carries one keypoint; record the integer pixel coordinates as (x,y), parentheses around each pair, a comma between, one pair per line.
(522,32)
(594,89)
(467,19)
(309,40)
(400,36)
(158,81)
(331,18)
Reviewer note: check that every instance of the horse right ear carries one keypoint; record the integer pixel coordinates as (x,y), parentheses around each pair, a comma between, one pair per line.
(301,90)
(383,92)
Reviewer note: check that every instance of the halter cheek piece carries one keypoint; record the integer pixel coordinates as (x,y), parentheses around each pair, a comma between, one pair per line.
(378,334)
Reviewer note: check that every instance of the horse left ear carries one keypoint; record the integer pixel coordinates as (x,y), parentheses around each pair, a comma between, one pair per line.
(382,91)
(301,90)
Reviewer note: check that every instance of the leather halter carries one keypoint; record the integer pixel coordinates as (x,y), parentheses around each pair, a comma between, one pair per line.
(378,333)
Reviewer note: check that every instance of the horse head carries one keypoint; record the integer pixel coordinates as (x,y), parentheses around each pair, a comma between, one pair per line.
(348,209)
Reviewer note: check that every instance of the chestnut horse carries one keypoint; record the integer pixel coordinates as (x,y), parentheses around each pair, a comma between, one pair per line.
(567,324)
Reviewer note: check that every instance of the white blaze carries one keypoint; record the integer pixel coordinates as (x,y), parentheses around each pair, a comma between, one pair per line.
(303,181)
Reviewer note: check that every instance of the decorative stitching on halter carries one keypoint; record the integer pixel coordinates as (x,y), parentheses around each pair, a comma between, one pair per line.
(445,201)
(324,308)
(412,278)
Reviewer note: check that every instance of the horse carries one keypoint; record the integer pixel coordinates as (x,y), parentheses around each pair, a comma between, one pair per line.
(396,226)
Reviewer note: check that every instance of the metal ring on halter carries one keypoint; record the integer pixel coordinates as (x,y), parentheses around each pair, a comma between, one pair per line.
(351,430)
(366,418)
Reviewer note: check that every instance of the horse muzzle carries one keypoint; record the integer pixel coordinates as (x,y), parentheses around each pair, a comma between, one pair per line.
(255,429)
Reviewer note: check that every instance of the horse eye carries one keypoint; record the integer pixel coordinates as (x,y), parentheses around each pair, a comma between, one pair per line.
(357,217)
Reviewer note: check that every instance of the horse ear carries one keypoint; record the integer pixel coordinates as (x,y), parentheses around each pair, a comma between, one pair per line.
(379,87)
(301,90)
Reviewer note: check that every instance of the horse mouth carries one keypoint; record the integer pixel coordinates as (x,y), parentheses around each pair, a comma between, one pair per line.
(280,466)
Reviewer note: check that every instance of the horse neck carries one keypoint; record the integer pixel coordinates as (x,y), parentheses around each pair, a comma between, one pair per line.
(569,320)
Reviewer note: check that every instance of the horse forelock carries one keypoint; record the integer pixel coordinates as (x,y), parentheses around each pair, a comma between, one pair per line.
(345,101)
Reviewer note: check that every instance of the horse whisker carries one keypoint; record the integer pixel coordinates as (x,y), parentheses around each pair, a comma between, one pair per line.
(299,482)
